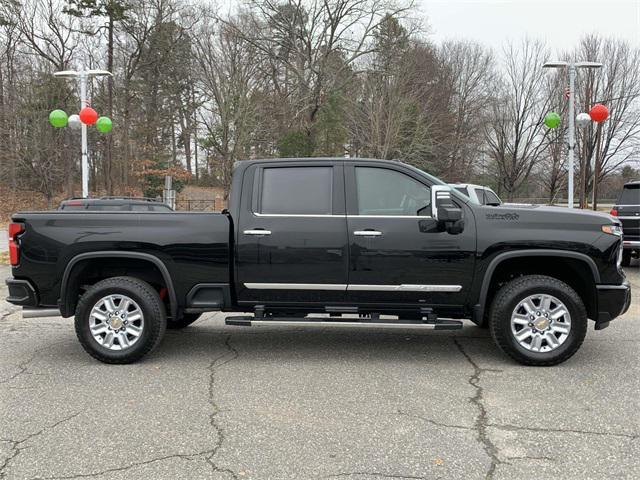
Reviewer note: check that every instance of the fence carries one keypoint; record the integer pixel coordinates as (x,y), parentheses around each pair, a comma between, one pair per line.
(206,205)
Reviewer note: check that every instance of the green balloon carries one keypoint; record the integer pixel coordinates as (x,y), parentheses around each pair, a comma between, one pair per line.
(58,118)
(104,125)
(552,119)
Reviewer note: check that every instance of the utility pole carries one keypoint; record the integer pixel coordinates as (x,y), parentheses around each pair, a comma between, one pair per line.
(572,68)
(83,76)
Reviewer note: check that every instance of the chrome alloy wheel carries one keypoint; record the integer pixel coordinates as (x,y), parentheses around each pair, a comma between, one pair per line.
(116,322)
(540,323)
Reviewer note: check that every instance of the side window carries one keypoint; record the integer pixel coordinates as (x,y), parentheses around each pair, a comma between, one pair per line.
(481,197)
(492,198)
(382,191)
(296,191)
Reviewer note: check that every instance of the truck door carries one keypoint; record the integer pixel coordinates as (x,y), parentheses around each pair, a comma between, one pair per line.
(292,234)
(397,253)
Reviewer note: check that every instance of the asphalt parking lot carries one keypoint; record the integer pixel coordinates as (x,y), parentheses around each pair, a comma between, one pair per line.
(275,403)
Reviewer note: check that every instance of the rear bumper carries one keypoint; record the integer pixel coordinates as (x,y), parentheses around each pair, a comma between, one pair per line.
(21,292)
(613,301)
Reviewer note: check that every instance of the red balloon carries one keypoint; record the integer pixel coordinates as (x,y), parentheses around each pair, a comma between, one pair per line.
(88,116)
(599,113)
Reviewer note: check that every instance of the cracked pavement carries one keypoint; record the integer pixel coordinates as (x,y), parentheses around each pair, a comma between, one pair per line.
(217,402)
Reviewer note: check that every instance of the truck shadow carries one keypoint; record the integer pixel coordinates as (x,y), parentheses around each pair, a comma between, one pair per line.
(309,345)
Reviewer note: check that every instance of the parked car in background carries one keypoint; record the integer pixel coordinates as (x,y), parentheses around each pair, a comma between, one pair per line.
(478,194)
(119,204)
(627,209)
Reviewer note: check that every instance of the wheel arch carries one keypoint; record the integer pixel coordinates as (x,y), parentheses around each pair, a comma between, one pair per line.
(67,302)
(587,286)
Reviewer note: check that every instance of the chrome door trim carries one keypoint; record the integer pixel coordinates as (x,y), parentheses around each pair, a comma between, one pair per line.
(257,232)
(391,216)
(367,233)
(356,287)
(296,286)
(405,288)
(297,215)
(323,215)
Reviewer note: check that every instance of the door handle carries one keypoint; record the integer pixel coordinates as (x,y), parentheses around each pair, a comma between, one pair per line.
(257,231)
(367,233)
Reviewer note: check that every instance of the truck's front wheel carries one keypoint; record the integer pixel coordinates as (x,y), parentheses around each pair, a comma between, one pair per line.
(538,320)
(120,319)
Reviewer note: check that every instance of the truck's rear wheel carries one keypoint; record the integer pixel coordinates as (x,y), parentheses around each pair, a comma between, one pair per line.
(538,320)
(184,321)
(120,319)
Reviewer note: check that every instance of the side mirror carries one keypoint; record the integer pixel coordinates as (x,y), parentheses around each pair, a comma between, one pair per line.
(449,213)
(440,196)
(445,211)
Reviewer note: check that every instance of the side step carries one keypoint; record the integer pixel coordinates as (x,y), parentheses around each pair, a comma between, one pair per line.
(248,321)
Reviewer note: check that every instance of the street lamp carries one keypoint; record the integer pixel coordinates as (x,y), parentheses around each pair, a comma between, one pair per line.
(571,66)
(83,76)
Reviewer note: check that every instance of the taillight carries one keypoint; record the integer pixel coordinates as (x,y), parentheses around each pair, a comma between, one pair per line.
(614,212)
(14,251)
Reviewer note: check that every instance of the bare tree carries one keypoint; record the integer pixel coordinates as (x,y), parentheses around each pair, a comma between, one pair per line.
(470,72)
(515,135)
(607,147)
(228,73)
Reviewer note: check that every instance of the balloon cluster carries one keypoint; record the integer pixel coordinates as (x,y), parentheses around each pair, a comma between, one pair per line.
(87,116)
(598,113)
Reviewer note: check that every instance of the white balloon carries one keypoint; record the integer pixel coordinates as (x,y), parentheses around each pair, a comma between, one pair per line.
(582,119)
(74,122)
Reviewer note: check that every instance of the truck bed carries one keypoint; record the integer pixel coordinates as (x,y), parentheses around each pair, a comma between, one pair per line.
(194,247)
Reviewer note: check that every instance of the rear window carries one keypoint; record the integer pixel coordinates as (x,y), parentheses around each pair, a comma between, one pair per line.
(630,195)
(296,190)
(106,208)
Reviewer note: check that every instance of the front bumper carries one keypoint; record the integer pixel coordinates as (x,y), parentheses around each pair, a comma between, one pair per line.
(21,292)
(613,301)
(631,244)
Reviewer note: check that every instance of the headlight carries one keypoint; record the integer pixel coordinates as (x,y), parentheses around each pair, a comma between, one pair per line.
(612,230)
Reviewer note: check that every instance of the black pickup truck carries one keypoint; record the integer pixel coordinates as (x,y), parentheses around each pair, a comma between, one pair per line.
(339,242)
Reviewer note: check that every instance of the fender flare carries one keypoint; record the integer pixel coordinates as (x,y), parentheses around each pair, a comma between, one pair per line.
(164,271)
(488,274)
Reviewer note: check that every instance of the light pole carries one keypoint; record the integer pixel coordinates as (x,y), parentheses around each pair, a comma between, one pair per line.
(83,76)
(572,67)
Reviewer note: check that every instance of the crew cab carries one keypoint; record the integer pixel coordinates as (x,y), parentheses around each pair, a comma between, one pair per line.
(326,241)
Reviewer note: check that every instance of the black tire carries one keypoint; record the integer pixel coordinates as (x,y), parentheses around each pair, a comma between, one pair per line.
(626,258)
(184,321)
(155,319)
(515,291)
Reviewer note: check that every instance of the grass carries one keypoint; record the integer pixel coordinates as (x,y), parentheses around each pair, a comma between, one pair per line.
(4,258)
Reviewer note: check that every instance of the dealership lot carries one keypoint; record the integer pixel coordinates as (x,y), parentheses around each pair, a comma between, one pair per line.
(274,402)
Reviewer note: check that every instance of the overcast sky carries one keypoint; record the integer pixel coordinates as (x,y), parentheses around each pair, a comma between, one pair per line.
(560,22)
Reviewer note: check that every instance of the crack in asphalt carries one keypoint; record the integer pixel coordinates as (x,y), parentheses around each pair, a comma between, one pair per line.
(16,447)
(481,422)
(24,365)
(375,474)
(185,456)
(217,363)
(433,422)
(517,428)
